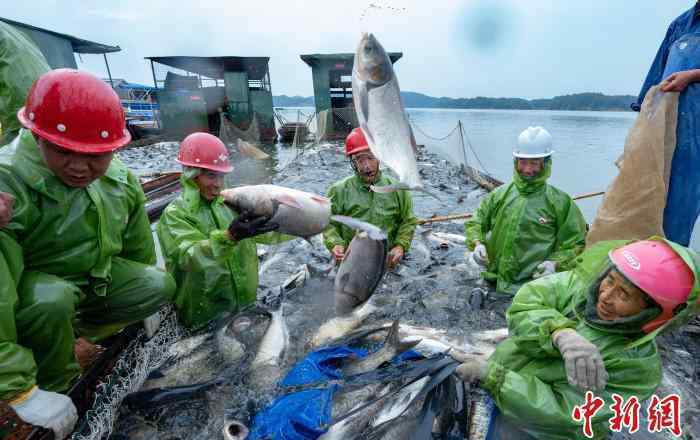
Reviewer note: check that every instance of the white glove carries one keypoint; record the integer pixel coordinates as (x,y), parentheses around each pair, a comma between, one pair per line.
(545,268)
(151,324)
(50,410)
(480,255)
(584,364)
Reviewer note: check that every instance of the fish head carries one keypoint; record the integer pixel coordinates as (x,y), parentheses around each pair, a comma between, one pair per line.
(372,64)
(235,430)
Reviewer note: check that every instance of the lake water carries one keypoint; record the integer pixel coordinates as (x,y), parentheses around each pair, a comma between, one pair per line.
(586,143)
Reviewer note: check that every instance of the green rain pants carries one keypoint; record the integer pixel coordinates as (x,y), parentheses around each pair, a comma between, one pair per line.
(52,312)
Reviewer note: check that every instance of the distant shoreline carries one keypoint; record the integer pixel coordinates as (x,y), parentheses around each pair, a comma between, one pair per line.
(574,102)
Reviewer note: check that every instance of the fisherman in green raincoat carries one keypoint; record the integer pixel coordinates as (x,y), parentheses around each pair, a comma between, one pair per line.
(352,197)
(211,253)
(591,328)
(528,228)
(76,259)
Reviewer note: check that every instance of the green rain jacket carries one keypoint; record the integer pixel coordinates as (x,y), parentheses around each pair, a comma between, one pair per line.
(529,221)
(72,233)
(526,374)
(392,212)
(213,273)
(21,63)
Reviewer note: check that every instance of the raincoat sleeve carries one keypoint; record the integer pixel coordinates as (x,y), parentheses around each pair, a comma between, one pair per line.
(405,230)
(479,224)
(571,234)
(654,76)
(332,236)
(537,311)
(186,246)
(138,244)
(17,365)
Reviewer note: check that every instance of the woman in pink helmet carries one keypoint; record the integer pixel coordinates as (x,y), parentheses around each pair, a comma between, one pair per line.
(591,328)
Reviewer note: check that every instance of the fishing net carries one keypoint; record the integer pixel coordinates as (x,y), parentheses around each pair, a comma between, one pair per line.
(456,148)
(229,133)
(136,362)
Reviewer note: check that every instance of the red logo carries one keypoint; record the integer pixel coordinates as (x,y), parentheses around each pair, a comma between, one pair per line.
(586,412)
(661,414)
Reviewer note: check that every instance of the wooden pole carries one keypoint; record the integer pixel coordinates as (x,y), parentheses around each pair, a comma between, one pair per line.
(446,218)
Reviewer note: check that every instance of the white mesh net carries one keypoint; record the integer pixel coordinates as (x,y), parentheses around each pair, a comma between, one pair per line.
(136,362)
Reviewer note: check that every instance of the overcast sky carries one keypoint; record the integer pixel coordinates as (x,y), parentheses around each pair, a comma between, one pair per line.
(513,48)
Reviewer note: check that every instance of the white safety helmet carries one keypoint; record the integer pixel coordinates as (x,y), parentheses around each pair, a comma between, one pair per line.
(533,143)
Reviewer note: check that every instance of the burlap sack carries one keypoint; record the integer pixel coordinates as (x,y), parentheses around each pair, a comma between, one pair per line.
(633,206)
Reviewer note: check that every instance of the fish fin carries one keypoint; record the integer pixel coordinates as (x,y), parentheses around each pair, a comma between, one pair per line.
(402,186)
(320,199)
(392,338)
(373,232)
(288,200)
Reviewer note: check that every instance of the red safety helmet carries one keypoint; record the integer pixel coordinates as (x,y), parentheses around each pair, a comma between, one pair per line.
(355,142)
(75,110)
(204,150)
(660,272)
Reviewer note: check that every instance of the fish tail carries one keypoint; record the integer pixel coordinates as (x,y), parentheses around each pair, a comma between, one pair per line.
(392,339)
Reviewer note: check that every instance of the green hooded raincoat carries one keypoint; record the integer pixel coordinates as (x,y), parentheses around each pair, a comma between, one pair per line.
(526,374)
(213,273)
(73,261)
(529,221)
(392,212)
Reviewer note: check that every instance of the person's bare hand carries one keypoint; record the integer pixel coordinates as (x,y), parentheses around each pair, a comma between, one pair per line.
(338,252)
(395,256)
(679,81)
(6,203)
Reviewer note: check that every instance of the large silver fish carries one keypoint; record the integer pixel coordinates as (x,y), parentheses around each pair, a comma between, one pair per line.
(391,348)
(296,212)
(242,333)
(380,113)
(361,270)
(340,326)
(266,368)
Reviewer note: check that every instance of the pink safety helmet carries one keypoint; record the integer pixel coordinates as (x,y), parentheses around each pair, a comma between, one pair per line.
(658,271)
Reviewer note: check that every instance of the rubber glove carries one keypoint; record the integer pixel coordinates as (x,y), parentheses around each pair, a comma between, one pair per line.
(545,268)
(584,364)
(481,256)
(50,410)
(151,324)
(242,228)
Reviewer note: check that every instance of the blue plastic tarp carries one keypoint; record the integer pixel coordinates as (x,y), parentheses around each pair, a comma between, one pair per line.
(297,416)
(304,415)
(321,366)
